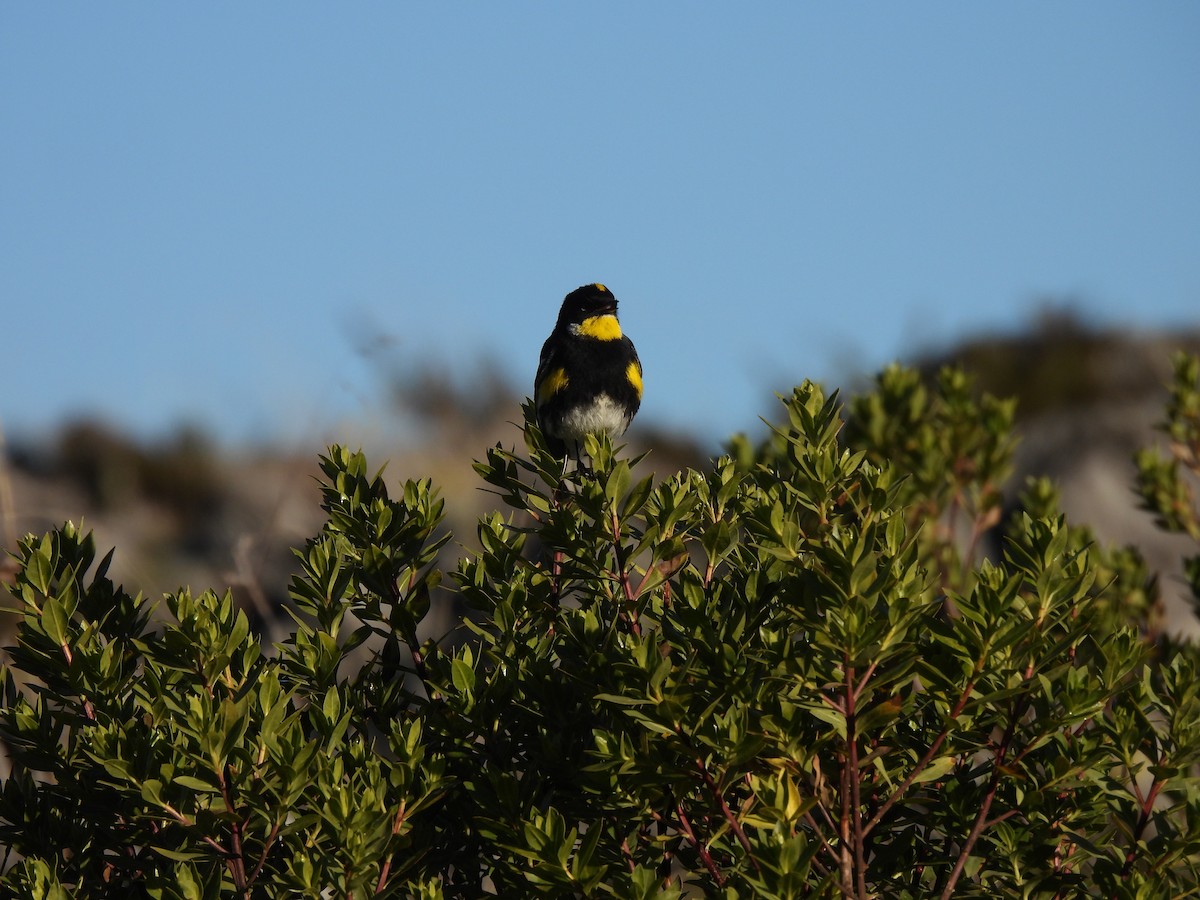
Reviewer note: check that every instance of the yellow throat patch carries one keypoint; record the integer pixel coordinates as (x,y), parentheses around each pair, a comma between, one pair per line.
(602,328)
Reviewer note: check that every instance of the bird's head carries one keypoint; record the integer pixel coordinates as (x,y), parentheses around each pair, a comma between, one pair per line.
(588,302)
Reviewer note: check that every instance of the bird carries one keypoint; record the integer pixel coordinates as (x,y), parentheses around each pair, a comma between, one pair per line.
(589,377)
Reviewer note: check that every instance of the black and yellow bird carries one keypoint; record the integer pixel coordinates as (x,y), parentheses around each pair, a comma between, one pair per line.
(589,377)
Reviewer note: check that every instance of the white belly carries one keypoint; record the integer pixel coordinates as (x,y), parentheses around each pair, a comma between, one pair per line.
(602,415)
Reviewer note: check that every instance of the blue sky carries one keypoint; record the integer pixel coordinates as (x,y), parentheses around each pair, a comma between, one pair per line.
(205,206)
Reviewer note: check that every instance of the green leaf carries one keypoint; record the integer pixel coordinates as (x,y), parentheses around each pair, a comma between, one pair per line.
(462,675)
(623,700)
(39,567)
(937,769)
(618,482)
(55,622)
(195,784)
(152,792)
(179,855)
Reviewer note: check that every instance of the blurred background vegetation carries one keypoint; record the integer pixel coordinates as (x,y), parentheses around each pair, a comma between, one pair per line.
(186,510)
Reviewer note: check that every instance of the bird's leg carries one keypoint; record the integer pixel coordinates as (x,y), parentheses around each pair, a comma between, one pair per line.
(558,498)
(583,465)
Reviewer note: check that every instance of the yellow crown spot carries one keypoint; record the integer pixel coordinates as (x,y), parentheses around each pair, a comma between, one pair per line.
(602,328)
(634,373)
(551,385)
(598,286)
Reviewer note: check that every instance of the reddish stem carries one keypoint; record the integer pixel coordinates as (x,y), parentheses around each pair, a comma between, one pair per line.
(386,868)
(235,861)
(1142,822)
(922,763)
(705,856)
(981,820)
(734,824)
(854,776)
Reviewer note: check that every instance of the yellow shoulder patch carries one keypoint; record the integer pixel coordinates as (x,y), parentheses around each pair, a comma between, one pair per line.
(554,382)
(634,373)
(602,328)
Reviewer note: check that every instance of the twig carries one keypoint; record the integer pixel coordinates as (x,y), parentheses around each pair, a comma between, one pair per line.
(397,598)
(969,844)
(1142,822)
(89,711)
(262,858)
(921,764)
(1003,817)
(235,861)
(727,812)
(847,863)
(818,783)
(188,823)
(631,595)
(627,854)
(556,577)
(815,826)
(862,683)
(386,868)
(981,820)
(855,777)
(556,502)
(705,856)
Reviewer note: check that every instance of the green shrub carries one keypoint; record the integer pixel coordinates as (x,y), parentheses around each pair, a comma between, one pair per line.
(1168,482)
(792,675)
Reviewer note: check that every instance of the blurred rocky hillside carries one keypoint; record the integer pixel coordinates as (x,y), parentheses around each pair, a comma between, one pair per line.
(180,512)
(1088,399)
